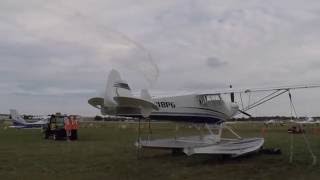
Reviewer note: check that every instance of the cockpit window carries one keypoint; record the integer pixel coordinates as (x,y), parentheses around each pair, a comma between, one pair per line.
(213,98)
(209,98)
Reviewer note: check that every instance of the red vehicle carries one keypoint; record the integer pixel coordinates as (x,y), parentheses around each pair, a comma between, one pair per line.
(296,130)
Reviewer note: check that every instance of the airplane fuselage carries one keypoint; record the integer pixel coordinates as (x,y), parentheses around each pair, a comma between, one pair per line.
(200,108)
(26,126)
(188,108)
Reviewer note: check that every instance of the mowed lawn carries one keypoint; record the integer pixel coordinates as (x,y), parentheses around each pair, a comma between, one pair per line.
(107,151)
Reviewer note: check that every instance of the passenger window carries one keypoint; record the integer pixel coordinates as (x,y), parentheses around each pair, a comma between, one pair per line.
(209,98)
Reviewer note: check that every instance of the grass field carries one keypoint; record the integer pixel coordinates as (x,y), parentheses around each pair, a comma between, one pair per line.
(106,151)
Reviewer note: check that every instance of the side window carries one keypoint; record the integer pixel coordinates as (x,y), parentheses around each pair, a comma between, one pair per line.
(203,100)
(209,98)
(214,98)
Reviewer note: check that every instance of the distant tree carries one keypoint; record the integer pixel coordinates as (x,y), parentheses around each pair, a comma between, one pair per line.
(98,118)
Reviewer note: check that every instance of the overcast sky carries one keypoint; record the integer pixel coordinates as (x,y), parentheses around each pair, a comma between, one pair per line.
(55,55)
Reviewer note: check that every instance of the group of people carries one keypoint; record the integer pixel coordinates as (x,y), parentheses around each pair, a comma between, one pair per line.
(71,125)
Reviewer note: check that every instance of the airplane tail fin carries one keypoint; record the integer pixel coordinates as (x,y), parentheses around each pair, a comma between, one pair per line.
(145,95)
(118,94)
(16,118)
(115,87)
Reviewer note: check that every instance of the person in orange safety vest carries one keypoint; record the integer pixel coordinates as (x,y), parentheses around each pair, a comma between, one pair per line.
(68,127)
(74,127)
(74,123)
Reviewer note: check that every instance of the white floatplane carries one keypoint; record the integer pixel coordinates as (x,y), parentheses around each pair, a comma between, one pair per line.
(207,108)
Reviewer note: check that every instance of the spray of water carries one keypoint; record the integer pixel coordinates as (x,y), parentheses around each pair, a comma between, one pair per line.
(151,73)
(108,44)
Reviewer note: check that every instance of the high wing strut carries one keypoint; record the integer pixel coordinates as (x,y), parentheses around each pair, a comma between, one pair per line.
(265,99)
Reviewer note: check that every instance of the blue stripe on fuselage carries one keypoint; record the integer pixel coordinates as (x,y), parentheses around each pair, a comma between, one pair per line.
(15,123)
(186,117)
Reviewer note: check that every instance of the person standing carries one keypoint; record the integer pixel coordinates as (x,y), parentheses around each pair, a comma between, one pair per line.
(75,125)
(67,127)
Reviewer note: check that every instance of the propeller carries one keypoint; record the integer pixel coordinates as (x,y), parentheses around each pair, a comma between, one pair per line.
(232,95)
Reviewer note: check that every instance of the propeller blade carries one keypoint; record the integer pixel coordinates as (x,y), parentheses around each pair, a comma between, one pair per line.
(232,95)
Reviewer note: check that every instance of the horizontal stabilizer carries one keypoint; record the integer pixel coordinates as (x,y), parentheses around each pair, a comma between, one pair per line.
(146,106)
(134,102)
(96,102)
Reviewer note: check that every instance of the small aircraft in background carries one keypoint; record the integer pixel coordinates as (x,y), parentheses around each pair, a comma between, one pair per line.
(308,121)
(34,118)
(274,122)
(209,109)
(20,123)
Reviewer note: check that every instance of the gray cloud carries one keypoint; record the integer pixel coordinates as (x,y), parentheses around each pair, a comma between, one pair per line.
(215,62)
(65,48)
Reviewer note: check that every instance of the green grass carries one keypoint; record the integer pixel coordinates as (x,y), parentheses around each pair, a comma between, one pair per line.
(106,151)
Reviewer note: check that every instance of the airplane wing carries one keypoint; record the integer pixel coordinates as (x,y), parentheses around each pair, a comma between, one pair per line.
(135,102)
(41,122)
(306,122)
(272,92)
(159,94)
(252,90)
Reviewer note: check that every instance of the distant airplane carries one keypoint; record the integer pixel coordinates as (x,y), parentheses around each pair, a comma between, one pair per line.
(308,121)
(20,123)
(34,118)
(206,108)
(270,122)
(274,122)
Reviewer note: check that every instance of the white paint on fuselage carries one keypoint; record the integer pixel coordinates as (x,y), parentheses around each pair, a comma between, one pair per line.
(191,104)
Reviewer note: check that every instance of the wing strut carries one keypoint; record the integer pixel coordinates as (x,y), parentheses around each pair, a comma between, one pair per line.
(266,99)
